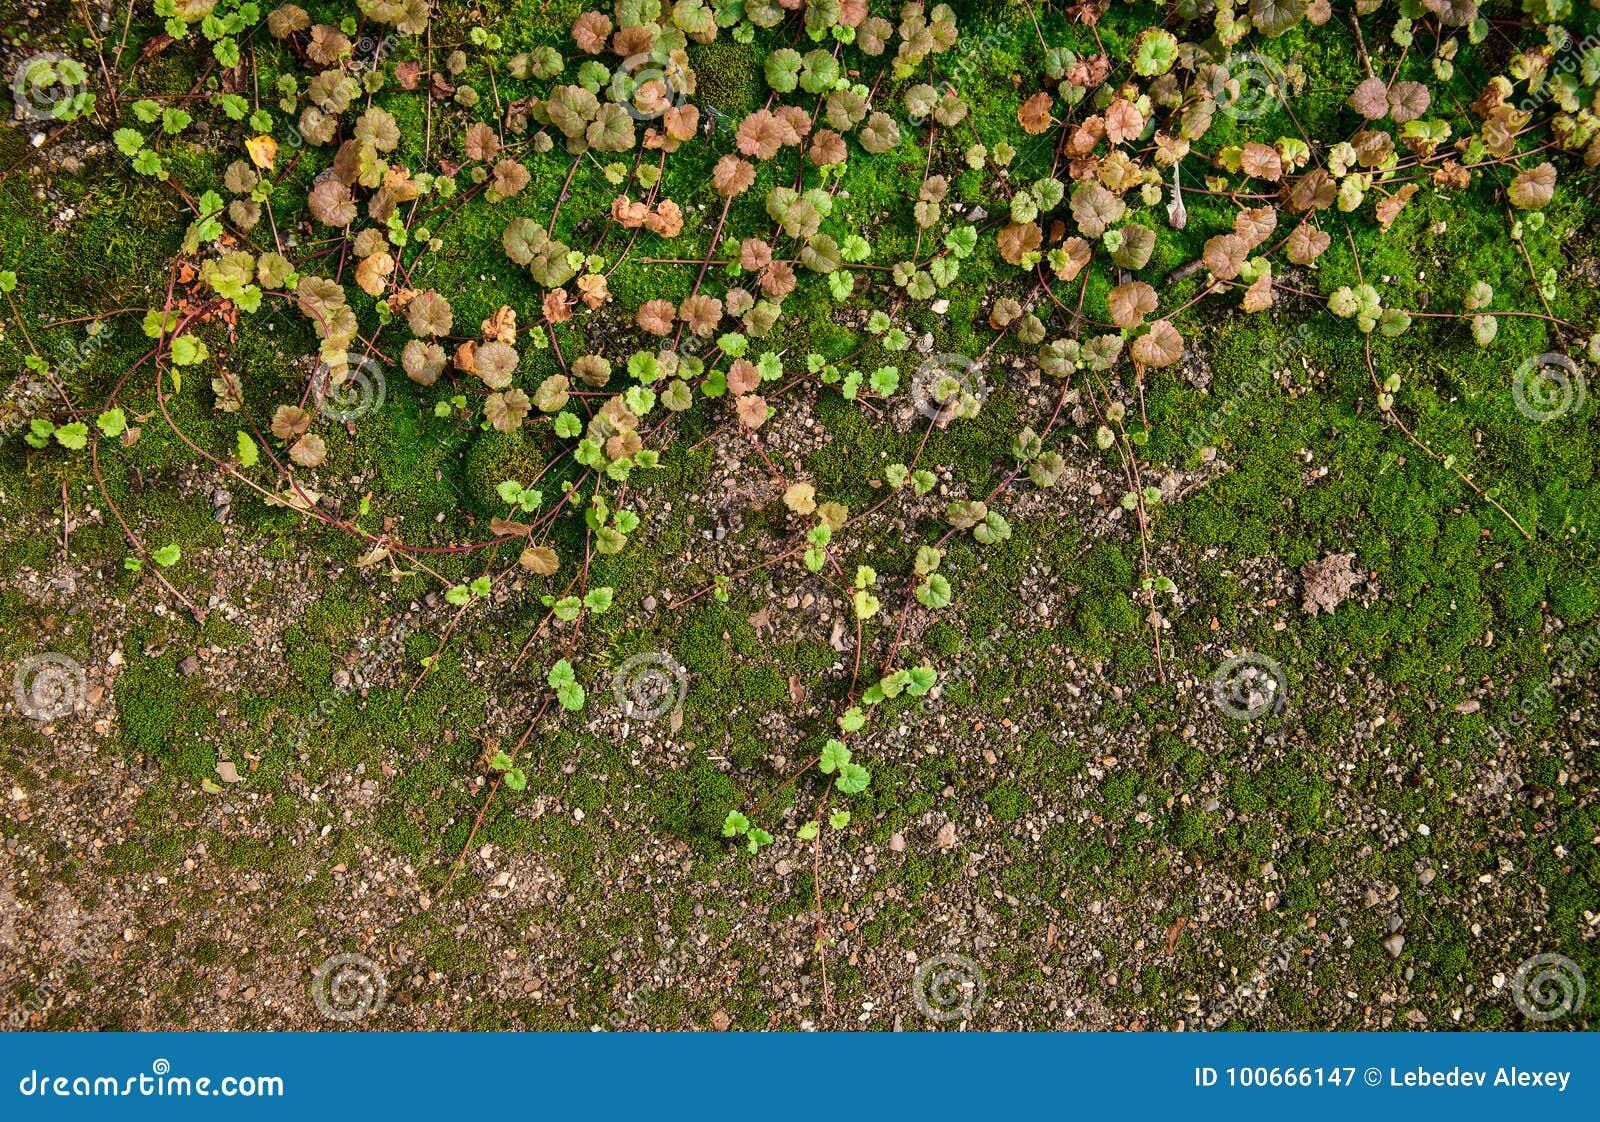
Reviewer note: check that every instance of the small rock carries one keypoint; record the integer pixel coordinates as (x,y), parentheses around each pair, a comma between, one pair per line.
(1425,877)
(947,836)
(897,843)
(1394,944)
(720,1021)
(190,665)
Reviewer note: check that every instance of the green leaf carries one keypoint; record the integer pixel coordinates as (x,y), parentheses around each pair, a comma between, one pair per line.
(458,594)
(834,756)
(128,141)
(249,454)
(74,436)
(853,719)
(567,608)
(808,832)
(167,556)
(516,778)
(853,779)
(509,491)
(562,679)
(501,761)
(113,422)
(734,824)
(756,837)
(482,586)
(934,592)
(598,600)
(839,819)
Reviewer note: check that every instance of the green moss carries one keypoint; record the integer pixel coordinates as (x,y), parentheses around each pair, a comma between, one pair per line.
(726,75)
(494,458)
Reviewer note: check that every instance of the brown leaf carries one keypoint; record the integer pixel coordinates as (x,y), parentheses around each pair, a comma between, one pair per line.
(1130,303)
(594,289)
(1533,188)
(1034,114)
(1124,122)
(1261,161)
(1224,255)
(752,410)
(501,326)
(1371,99)
(1019,238)
(309,451)
(290,420)
(1160,346)
(1389,209)
(655,316)
(557,305)
(1258,297)
(1306,243)
(540,561)
(505,528)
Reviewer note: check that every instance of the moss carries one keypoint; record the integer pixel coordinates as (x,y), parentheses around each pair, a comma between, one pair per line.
(1008,802)
(493,458)
(725,75)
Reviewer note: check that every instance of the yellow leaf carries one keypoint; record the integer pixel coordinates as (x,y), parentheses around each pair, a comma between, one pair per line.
(263,151)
